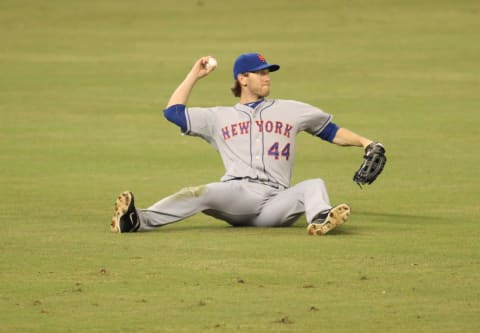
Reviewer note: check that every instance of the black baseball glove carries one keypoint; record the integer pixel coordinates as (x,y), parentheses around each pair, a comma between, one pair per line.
(372,166)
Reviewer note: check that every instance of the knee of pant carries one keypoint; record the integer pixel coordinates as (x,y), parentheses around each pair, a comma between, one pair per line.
(318,183)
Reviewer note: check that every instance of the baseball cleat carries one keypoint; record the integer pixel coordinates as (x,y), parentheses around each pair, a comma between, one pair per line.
(338,215)
(125,217)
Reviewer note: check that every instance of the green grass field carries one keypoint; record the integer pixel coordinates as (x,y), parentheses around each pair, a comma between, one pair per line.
(82,89)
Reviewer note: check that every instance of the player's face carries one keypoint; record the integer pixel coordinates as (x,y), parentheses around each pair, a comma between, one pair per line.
(257,84)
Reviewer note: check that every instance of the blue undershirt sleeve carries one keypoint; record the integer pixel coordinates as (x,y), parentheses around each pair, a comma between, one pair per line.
(176,115)
(329,132)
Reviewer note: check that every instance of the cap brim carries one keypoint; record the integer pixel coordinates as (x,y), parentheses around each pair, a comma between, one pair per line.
(270,67)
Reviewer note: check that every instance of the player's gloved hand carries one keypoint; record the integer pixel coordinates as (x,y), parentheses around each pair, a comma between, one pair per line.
(372,165)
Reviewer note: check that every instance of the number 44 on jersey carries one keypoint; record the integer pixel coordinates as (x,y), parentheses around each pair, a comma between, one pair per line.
(276,151)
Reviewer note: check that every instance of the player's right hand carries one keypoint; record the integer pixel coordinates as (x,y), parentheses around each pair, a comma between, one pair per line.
(200,69)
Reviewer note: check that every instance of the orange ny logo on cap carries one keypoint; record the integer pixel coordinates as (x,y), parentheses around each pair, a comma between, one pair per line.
(261,58)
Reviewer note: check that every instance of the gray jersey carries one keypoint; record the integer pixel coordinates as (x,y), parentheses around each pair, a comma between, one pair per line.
(257,143)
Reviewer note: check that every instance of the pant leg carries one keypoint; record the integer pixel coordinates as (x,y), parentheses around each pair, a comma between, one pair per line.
(283,209)
(233,202)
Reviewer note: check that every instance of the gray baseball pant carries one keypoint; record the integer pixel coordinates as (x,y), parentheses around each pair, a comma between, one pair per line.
(240,203)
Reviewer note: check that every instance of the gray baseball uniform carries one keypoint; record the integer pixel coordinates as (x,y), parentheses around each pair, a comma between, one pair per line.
(257,146)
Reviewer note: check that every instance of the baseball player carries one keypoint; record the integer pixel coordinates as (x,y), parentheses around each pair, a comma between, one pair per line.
(256,139)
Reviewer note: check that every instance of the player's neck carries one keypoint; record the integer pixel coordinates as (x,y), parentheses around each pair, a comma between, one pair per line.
(250,99)
(248,96)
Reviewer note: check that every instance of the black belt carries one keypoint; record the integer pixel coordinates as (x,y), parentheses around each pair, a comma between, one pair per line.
(259,181)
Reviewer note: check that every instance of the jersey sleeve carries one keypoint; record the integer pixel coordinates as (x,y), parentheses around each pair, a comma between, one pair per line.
(310,118)
(176,115)
(200,122)
(329,132)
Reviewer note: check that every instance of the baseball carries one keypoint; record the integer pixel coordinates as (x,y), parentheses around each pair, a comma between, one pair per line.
(212,62)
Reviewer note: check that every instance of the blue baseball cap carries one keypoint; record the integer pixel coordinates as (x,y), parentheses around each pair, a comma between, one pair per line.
(252,62)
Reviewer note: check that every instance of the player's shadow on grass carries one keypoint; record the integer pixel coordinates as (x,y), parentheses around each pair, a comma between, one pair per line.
(402,217)
(216,227)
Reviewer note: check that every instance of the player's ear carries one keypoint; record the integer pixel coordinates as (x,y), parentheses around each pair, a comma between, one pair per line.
(242,79)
